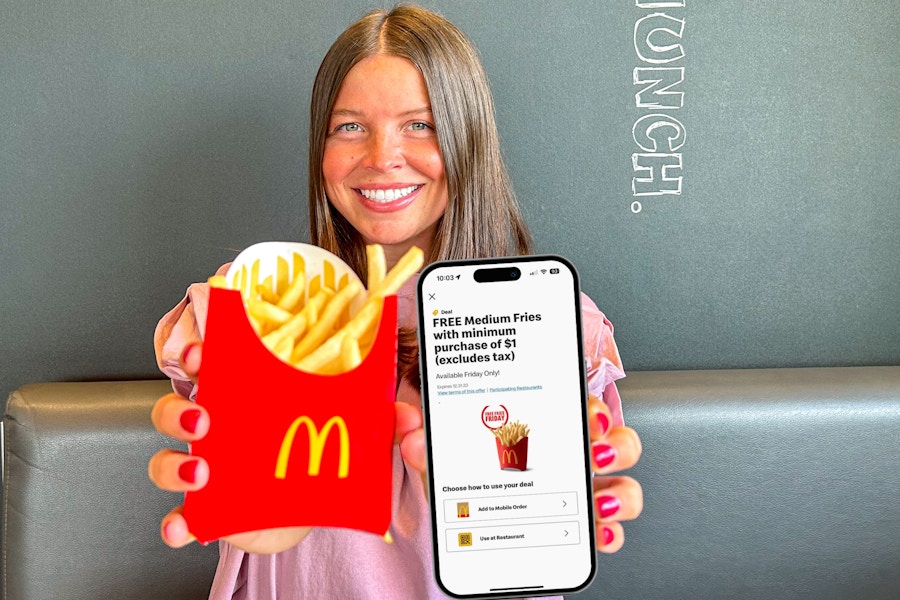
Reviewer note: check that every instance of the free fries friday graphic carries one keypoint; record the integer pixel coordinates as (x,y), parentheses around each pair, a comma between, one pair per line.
(511,438)
(299,378)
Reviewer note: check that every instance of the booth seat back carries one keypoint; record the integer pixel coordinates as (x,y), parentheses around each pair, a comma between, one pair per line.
(80,516)
(759,484)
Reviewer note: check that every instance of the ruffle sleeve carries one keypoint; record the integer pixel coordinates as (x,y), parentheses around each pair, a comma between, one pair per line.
(183,325)
(604,366)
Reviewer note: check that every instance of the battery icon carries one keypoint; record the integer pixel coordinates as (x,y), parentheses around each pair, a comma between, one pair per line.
(554,271)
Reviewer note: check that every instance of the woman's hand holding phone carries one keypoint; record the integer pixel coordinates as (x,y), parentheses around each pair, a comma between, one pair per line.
(617,498)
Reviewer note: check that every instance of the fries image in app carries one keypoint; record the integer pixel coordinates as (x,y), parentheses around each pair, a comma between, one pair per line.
(512,445)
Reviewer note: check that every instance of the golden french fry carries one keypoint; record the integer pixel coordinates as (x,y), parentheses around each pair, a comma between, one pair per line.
(329,350)
(293,295)
(264,292)
(332,368)
(408,264)
(376,265)
(290,331)
(319,332)
(267,312)
(350,356)
(300,322)
(282,348)
(281,275)
(218,281)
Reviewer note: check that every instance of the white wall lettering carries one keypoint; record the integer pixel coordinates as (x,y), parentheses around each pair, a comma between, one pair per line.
(660,4)
(658,44)
(657,93)
(656,174)
(657,38)
(656,132)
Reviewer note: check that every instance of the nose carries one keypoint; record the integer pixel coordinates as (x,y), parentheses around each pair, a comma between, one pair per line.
(384,152)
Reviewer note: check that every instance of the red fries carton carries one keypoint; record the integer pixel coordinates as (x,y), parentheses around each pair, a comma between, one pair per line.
(288,447)
(515,456)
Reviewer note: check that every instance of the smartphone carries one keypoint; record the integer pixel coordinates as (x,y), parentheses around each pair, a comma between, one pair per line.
(504,395)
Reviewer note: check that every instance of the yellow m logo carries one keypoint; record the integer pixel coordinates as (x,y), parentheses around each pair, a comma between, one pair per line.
(316,446)
(509,456)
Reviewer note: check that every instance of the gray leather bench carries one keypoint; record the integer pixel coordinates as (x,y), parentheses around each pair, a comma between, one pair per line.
(780,483)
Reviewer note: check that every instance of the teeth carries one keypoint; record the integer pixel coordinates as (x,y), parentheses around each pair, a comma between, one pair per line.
(388,195)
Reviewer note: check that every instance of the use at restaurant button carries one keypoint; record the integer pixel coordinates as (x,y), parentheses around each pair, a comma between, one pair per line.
(513,536)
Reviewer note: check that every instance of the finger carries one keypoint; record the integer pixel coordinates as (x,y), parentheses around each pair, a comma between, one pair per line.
(412,449)
(177,472)
(619,449)
(174,530)
(190,359)
(408,418)
(599,417)
(610,537)
(617,499)
(178,417)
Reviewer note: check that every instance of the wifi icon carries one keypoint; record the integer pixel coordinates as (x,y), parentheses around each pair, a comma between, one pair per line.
(543,271)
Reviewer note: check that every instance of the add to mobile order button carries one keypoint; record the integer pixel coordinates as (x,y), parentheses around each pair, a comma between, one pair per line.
(513,536)
(511,507)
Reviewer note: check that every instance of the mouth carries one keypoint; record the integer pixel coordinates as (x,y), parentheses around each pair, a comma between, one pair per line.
(386,196)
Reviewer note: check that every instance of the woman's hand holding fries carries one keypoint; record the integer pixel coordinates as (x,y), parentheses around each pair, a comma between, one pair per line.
(175,471)
(315,333)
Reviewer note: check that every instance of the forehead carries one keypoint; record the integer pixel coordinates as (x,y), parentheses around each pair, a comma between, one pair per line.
(382,84)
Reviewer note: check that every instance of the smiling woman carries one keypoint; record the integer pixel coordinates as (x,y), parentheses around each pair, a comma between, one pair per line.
(451,111)
(403,150)
(382,163)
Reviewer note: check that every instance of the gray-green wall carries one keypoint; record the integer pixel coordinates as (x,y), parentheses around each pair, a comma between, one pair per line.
(143,144)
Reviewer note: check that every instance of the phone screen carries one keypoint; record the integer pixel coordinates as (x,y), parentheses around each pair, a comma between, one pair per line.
(504,398)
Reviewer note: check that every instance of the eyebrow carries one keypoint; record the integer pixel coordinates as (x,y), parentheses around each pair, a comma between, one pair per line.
(349,112)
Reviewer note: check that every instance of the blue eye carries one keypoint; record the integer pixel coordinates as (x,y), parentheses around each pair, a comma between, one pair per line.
(352,127)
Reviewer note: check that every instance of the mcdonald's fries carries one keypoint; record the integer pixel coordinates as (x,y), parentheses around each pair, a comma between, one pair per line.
(511,433)
(309,321)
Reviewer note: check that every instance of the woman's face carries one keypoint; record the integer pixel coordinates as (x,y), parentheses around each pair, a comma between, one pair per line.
(382,165)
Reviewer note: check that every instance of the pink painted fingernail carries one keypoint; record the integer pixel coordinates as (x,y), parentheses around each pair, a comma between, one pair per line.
(603,421)
(604,454)
(189,419)
(167,531)
(608,536)
(188,471)
(186,352)
(607,506)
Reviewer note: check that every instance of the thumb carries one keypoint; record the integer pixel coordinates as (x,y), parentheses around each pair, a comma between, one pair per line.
(412,449)
(407,418)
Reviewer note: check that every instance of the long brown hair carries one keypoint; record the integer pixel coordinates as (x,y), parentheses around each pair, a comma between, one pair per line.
(482,218)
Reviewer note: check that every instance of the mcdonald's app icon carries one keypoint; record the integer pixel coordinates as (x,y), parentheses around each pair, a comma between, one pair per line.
(462,509)
(465,539)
